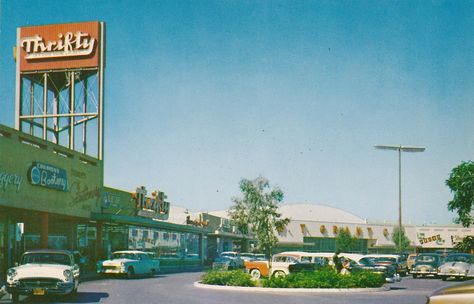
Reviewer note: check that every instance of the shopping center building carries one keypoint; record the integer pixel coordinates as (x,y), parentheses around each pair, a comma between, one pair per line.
(52,192)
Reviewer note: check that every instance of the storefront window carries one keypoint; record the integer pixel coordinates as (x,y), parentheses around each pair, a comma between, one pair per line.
(164,243)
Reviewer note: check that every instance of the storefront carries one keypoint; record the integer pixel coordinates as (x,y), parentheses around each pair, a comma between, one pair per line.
(47,194)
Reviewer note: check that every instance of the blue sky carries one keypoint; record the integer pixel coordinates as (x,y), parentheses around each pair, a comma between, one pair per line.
(200,94)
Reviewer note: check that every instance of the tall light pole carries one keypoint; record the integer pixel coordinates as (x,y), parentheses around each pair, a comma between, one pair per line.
(400,148)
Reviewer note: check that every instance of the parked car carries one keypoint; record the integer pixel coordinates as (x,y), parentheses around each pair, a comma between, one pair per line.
(228,260)
(426,264)
(461,293)
(129,263)
(390,259)
(42,272)
(280,265)
(457,265)
(411,261)
(358,262)
(247,256)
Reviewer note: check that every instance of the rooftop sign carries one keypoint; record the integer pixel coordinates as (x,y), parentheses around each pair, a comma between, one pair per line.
(59,46)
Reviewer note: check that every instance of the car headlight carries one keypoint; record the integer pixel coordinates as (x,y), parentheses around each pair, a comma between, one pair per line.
(67,274)
(11,273)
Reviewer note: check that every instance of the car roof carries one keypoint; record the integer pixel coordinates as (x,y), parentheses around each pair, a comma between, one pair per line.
(129,251)
(48,251)
(396,256)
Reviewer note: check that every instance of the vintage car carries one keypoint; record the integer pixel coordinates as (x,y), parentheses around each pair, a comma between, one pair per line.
(411,260)
(426,264)
(457,265)
(358,262)
(129,263)
(390,259)
(280,265)
(42,272)
(228,260)
(461,293)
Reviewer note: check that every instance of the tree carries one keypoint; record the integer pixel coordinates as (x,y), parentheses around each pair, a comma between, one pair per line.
(402,242)
(467,244)
(256,212)
(461,183)
(345,241)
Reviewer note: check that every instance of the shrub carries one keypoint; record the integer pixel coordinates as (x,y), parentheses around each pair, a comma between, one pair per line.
(325,278)
(227,278)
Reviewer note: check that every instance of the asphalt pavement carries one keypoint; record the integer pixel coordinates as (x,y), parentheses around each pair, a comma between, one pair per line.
(178,288)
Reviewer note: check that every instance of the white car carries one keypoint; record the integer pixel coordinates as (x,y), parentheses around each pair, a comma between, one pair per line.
(457,265)
(42,272)
(129,263)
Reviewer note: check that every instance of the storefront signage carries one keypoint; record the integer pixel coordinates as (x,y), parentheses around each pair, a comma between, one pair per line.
(48,176)
(59,46)
(435,238)
(154,207)
(67,45)
(10,179)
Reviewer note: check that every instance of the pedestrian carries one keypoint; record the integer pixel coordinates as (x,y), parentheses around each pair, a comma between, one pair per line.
(346,267)
(337,261)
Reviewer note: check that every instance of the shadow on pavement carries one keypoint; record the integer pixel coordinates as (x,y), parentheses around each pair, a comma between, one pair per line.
(80,297)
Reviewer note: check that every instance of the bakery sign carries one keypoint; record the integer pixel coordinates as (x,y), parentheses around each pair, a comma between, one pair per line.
(48,176)
(59,46)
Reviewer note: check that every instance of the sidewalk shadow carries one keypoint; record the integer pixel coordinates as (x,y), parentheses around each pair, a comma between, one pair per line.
(80,297)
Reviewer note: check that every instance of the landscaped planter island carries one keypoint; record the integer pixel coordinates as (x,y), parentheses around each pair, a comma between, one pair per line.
(324,280)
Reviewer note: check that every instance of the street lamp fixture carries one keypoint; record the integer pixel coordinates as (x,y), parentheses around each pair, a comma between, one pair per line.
(400,149)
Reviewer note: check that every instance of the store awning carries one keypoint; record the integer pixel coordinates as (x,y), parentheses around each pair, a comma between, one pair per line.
(145,222)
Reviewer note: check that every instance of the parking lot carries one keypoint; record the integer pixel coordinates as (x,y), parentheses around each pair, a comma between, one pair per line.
(179,288)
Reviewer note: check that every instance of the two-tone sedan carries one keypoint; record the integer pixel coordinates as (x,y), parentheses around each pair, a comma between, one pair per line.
(42,272)
(457,265)
(426,264)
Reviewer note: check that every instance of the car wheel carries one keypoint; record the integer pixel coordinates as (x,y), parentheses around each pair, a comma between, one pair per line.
(255,274)
(14,297)
(415,275)
(279,274)
(444,278)
(130,272)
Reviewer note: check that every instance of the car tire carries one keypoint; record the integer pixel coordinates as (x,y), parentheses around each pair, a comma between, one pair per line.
(279,274)
(415,275)
(130,272)
(15,297)
(444,278)
(255,274)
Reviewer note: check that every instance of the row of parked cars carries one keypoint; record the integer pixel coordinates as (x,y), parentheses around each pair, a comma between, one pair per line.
(454,265)
(392,266)
(284,263)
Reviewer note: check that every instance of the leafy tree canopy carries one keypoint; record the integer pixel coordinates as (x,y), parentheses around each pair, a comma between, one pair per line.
(345,241)
(402,242)
(461,183)
(256,212)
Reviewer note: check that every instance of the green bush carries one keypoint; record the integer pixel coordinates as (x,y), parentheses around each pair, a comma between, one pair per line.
(227,278)
(325,278)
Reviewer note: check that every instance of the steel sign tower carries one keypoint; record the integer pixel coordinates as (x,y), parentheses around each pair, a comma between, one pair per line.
(60,84)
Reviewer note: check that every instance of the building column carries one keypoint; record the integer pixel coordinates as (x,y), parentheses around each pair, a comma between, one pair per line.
(44,230)
(99,250)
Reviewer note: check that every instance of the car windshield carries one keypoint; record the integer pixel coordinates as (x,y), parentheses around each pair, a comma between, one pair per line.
(228,254)
(46,258)
(426,258)
(124,255)
(385,259)
(366,262)
(459,258)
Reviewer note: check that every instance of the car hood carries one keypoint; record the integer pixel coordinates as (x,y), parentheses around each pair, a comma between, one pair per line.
(464,288)
(41,271)
(455,264)
(117,261)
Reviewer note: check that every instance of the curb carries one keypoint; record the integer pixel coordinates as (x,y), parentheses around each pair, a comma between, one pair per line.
(290,290)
